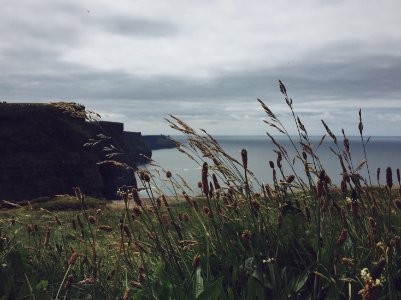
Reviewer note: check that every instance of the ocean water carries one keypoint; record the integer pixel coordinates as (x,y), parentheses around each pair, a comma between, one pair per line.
(381,153)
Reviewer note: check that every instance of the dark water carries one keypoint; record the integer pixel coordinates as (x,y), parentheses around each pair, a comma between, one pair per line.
(381,152)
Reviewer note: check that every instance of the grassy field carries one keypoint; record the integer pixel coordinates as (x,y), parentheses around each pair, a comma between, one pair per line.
(299,237)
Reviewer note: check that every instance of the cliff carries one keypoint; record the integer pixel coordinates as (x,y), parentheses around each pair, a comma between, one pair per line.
(156,142)
(42,152)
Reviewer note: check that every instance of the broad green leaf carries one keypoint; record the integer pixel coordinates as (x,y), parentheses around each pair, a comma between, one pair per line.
(214,291)
(198,282)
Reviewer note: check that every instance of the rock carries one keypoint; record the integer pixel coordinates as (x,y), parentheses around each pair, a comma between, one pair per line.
(42,152)
(156,142)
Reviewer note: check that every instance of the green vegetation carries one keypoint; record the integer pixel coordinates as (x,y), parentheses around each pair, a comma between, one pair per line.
(301,237)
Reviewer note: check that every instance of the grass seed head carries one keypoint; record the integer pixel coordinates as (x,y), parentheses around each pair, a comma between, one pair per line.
(389,177)
(215,182)
(74,225)
(205,184)
(398,203)
(137,211)
(105,228)
(69,282)
(80,222)
(342,237)
(246,235)
(136,198)
(127,293)
(290,179)
(92,219)
(135,284)
(73,258)
(165,201)
(344,188)
(308,214)
(47,237)
(244,157)
(165,221)
(196,261)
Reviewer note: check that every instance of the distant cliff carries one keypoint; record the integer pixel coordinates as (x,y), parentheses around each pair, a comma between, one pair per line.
(156,142)
(42,152)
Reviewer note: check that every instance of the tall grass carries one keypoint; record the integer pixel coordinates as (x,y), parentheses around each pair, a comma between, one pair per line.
(298,237)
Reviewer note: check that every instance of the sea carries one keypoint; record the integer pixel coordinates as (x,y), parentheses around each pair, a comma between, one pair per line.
(381,152)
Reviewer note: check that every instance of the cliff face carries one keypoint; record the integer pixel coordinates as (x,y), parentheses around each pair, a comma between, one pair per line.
(130,149)
(42,153)
(159,142)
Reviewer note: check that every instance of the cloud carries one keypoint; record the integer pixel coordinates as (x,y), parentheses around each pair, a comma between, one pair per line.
(206,62)
(131,26)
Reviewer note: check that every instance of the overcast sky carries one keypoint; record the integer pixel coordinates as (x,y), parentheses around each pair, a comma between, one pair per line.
(207,61)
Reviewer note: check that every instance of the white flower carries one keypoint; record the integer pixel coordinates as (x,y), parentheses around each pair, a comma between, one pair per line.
(365,275)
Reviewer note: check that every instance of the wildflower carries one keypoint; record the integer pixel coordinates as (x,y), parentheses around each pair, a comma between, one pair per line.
(365,275)
(370,284)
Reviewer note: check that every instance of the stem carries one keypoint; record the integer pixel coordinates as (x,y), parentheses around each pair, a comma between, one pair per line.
(62,282)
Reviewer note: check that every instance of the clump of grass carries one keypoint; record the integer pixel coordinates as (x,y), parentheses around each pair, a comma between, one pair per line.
(298,237)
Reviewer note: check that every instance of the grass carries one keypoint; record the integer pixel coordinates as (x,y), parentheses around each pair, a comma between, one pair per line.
(299,237)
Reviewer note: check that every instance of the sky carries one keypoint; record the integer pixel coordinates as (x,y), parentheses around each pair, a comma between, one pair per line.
(208,61)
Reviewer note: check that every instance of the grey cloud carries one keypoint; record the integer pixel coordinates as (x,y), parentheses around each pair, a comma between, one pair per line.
(133,26)
(305,81)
